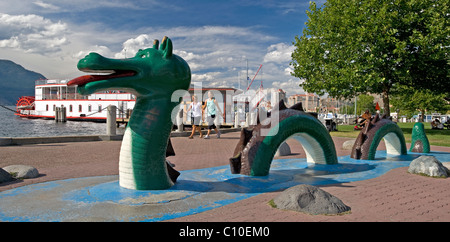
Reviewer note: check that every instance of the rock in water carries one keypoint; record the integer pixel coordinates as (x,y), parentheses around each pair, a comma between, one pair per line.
(283,150)
(22,171)
(428,165)
(348,145)
(310,199)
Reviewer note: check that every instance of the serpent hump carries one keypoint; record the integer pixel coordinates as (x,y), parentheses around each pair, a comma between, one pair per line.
(370,136)
(254,153)
(419,139)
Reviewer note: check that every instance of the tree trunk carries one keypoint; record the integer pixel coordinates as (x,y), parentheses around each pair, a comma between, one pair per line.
(387,110)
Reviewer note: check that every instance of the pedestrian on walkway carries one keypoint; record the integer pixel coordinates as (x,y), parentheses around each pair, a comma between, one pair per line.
(196,116)
(212,108)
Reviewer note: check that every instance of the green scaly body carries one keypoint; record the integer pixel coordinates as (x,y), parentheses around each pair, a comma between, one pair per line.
(145,142)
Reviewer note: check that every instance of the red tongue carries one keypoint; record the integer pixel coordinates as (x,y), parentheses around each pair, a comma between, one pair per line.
(82,80)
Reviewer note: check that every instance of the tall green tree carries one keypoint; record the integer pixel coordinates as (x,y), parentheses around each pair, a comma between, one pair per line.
(351,47)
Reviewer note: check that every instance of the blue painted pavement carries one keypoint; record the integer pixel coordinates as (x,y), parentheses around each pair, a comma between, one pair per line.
(102,199)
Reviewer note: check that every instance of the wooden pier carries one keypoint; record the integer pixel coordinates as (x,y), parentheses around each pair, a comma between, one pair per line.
(120,121)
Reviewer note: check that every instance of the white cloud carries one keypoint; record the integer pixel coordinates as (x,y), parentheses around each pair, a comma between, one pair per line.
(132,46)
(205,47)
(290,86)
(288,70)
(102,50)
(279,53)
(187,56)
(205,77)
(32,34)
(46,5)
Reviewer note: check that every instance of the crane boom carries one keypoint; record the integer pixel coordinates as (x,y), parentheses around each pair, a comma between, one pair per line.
(254,77)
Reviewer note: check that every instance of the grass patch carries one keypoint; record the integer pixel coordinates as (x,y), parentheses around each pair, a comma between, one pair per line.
(14,174)
(272,204)
(426,175)
(435,136)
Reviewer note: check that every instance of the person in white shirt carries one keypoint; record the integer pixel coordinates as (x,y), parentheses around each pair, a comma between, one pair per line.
(196,116)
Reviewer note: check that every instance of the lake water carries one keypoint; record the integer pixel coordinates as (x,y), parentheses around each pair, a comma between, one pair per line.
(14,126)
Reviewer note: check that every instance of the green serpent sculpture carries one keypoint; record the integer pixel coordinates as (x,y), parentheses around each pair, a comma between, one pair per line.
(153,75)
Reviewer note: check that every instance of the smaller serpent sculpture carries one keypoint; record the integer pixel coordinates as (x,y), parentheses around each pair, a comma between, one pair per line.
(370,136)
(254,152)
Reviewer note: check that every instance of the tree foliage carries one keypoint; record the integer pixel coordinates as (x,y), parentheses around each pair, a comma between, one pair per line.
(411,101)
(365,102)
(351,47)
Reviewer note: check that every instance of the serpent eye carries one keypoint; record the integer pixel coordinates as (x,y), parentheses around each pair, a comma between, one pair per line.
(144,55)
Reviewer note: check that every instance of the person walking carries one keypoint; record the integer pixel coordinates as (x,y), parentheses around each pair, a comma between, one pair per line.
(196,116)
(211,106)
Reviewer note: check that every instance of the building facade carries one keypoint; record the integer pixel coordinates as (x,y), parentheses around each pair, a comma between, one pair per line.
(310,101)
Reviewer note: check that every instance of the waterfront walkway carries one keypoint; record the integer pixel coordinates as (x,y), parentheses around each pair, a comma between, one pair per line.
(394,196)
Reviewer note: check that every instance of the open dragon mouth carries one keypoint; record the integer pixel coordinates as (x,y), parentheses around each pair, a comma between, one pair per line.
(83,80)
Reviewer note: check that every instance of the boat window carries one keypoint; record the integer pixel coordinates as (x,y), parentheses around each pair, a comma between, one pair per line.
(46,107)
(80,108)
(89,108)
(99,108)
(54,107)
(70,108)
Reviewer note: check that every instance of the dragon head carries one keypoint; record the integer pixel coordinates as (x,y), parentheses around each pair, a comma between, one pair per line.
(152,71)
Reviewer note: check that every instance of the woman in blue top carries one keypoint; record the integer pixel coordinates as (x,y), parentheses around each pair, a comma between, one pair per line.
(211,106)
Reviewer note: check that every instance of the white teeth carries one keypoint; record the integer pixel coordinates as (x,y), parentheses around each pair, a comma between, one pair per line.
(98,71)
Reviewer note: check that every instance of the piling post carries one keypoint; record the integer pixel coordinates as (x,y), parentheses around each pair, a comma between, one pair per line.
(111,120)
(57,112)
(63,115)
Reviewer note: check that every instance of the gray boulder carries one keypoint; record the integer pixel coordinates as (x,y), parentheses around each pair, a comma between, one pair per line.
(283,150)
(310,199)
(428,165)
(5,176)
(22,171)
(348,145)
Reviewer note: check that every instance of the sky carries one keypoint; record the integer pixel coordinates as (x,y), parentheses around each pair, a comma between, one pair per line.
(216,38)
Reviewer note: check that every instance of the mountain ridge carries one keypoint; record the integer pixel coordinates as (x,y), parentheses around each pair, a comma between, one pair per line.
(16,81)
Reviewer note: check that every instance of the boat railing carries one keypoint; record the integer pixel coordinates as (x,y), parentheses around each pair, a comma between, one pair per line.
(28,112)
(45,82)
(64,96)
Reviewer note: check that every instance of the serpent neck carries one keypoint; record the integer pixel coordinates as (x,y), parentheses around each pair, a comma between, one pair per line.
(151,116)
(142,156)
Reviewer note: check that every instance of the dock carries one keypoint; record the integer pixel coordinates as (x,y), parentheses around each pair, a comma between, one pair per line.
(120,121)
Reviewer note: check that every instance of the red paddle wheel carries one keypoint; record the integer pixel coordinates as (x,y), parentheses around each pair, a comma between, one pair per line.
(25,103)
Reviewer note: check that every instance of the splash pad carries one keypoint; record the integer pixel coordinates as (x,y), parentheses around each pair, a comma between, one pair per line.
(103,199)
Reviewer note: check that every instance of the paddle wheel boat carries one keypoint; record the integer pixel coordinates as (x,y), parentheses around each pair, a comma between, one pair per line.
(50,94)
